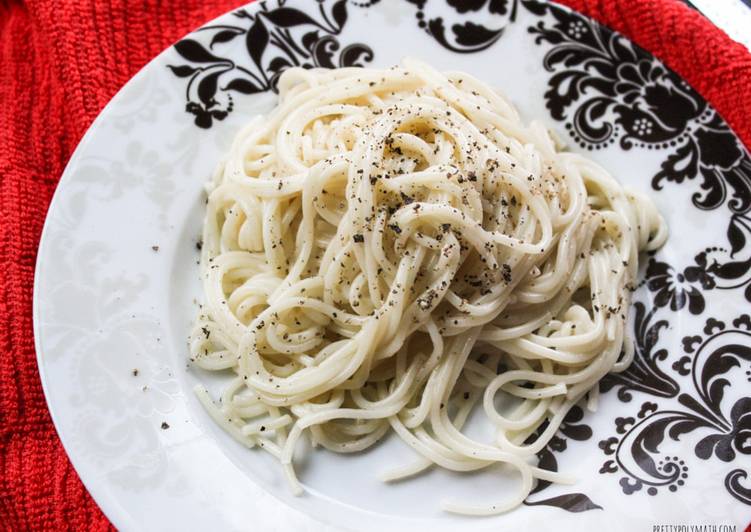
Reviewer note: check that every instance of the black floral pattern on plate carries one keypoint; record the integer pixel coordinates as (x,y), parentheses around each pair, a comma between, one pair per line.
(636,449)
(605,88)
(274,39)
(467,36)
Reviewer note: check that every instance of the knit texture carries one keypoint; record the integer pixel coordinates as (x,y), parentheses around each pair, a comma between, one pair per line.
(61,62)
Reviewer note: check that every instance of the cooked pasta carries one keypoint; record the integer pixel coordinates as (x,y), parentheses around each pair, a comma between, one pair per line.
(388,250)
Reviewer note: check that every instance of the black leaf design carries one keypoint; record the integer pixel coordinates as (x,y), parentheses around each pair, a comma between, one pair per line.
(182,71)
(287,17)
(279,63)
(275,38)
(571,502)
(470,34)
(535,7)
(225,36)
(195,52)
(736,236)
(731,270)
(256,41)
(243,86)
(463,6)
(339,13)
(207,89)
(309,39)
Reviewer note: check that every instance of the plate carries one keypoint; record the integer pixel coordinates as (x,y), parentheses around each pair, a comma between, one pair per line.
(117,283)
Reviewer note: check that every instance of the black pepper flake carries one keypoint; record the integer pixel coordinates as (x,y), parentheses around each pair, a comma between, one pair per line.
(135,372)
(155,248)
(358,238)
(506,273)
(395,228)
(199,245)
(165,425)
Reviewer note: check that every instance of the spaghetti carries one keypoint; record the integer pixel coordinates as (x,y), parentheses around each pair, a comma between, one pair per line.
(389,249)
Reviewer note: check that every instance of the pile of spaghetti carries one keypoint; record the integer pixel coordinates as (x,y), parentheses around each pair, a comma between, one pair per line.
(388,250)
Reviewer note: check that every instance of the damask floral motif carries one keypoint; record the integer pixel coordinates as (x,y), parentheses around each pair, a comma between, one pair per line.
(637,449)
(468,36)
(605,88)
(275,39)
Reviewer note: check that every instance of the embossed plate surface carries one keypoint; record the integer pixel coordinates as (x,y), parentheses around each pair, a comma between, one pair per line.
(117,279)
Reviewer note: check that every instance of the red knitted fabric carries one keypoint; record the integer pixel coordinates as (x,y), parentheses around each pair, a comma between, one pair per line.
(61,62)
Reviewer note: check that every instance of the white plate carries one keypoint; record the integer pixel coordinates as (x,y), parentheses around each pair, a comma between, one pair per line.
(117,279)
